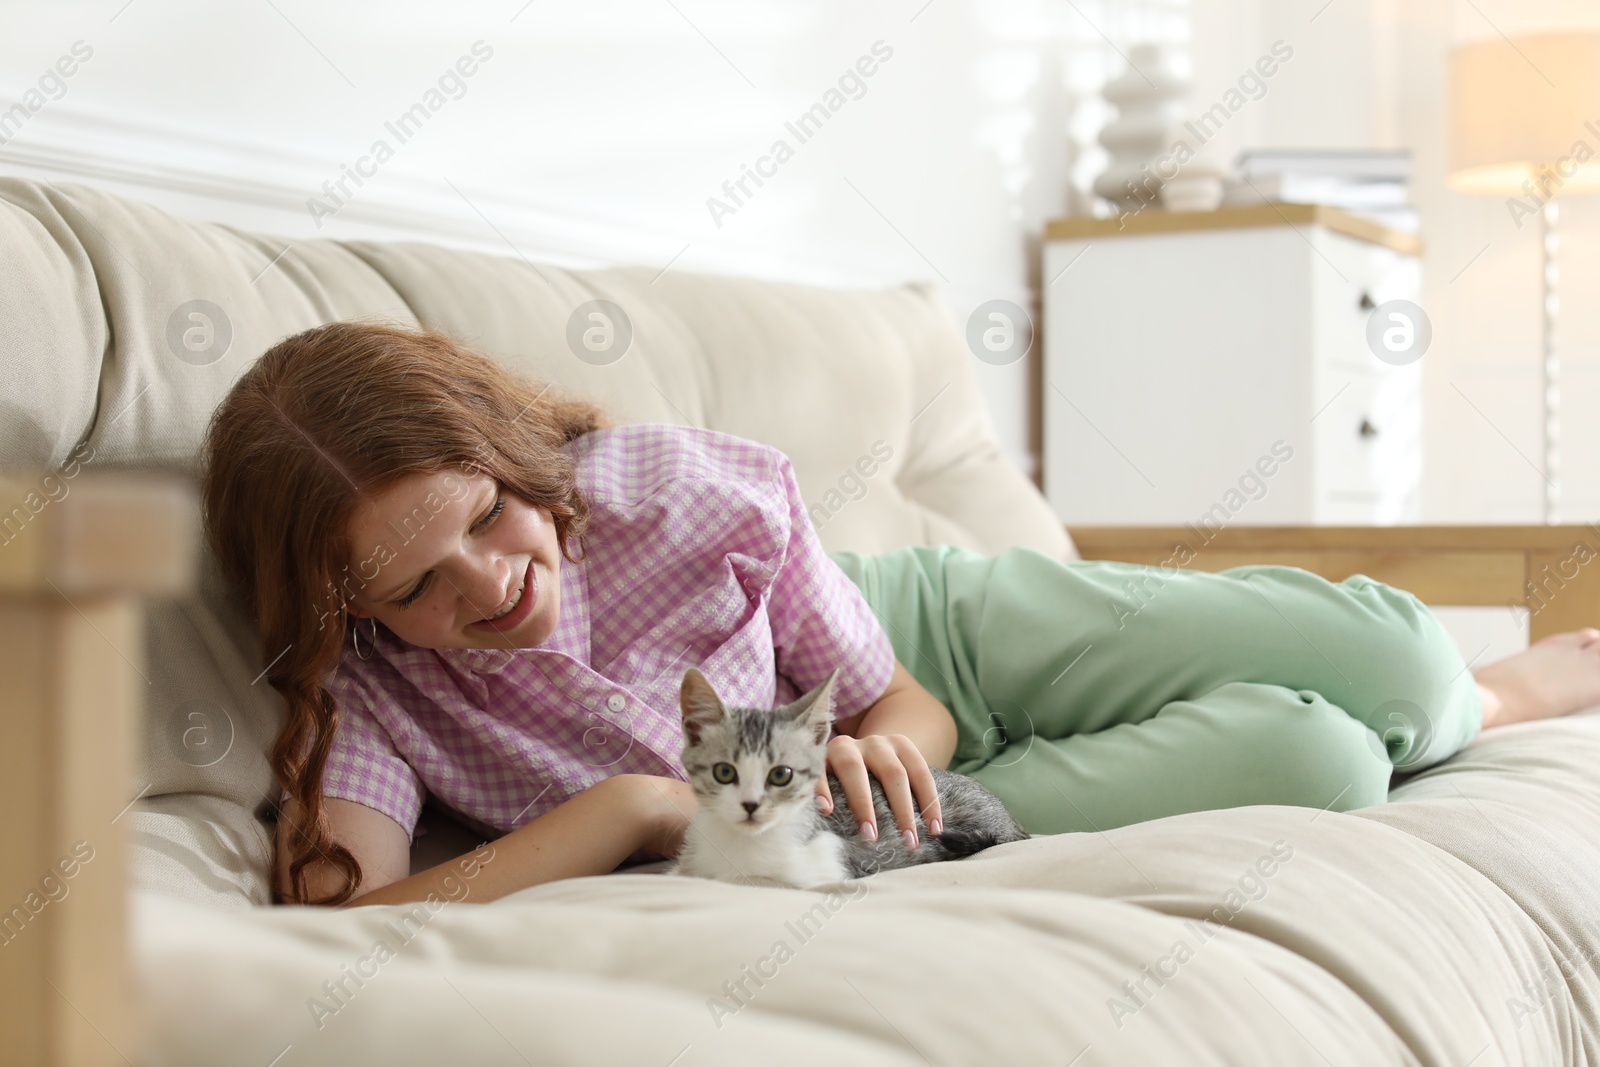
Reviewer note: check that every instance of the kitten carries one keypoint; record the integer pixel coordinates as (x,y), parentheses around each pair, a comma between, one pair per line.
(755,774)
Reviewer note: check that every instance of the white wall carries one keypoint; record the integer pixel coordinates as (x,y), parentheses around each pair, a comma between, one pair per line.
(594,133)
(1371,73)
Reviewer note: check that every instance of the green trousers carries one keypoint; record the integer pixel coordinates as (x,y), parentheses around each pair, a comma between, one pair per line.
(1088,695)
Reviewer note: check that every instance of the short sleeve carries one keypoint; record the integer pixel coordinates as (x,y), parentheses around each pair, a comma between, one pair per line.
(363,764)
(821,621)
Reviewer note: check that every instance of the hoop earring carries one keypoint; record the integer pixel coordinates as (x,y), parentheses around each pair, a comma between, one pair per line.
(372,641)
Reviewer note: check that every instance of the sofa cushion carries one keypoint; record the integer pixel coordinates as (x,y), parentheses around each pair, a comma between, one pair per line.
(1407,933)
(55,333)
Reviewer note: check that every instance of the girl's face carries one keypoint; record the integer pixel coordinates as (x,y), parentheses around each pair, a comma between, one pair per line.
(439,553)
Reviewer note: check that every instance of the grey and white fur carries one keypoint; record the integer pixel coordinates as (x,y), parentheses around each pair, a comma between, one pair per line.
(754,774)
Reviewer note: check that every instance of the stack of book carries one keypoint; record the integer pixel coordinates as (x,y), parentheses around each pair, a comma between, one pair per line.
(1370,183)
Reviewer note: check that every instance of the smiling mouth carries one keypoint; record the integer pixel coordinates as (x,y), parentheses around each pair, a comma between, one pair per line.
(517,610)
(516,598)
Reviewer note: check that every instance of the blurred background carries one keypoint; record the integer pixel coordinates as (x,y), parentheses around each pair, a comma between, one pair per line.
(612,131)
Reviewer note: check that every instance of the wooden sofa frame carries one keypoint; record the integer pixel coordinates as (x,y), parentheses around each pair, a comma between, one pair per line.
(73,571)
(1541,568)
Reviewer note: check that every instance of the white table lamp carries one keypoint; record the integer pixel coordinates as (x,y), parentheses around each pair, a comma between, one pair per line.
(1525,125)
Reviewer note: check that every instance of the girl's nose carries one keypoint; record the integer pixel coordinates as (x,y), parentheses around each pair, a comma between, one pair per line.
(488,591)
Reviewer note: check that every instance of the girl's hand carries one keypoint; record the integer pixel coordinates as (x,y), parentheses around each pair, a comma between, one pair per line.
(896,762)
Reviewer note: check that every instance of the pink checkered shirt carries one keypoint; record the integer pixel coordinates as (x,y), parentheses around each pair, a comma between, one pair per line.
(700,553)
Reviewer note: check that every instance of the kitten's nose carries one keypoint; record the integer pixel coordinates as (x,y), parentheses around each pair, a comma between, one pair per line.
(750,806)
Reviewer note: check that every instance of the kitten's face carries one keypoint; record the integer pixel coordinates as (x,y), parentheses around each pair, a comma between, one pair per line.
(749,767)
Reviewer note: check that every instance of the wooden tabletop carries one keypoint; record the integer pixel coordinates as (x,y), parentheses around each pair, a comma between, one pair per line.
(1155,220)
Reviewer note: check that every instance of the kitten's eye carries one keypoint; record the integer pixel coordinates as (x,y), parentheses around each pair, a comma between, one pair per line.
(780,776)
(724,773)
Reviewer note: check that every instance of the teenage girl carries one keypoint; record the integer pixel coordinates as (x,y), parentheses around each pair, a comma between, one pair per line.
(474,589)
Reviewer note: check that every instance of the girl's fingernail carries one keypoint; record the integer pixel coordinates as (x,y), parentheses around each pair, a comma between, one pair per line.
(936,827)
(911,838)
(869,831)
(822,803)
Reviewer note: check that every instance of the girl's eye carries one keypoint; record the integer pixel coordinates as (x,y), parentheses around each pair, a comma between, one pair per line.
(780,775)
(494,512)
(724,773)
(484,523)
(416,591)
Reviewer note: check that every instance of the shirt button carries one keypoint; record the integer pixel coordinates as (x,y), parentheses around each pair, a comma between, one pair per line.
(616,702)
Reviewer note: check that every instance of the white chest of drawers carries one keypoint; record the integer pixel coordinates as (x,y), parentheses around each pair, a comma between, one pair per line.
(1214,368)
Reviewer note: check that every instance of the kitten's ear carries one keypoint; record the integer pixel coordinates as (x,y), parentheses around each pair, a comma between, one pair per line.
(700,704)
(815,708)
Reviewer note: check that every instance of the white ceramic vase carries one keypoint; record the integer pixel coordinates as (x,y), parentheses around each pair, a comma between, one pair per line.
(1150,97)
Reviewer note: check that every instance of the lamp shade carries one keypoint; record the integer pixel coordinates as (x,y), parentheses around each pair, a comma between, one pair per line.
(1526,108)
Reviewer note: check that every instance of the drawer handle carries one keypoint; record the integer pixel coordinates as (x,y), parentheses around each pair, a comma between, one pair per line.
(1366,303)
(1367,429)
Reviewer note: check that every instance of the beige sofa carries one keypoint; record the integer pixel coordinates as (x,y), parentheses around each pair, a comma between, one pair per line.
(1455,925)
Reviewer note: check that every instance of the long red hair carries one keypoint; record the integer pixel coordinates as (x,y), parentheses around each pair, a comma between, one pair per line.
(324,420)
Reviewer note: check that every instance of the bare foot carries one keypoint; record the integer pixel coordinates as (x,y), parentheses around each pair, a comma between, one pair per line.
(1551,677)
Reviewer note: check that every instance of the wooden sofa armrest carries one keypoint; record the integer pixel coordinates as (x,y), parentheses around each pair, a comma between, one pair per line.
(76,555)
(1541,568)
